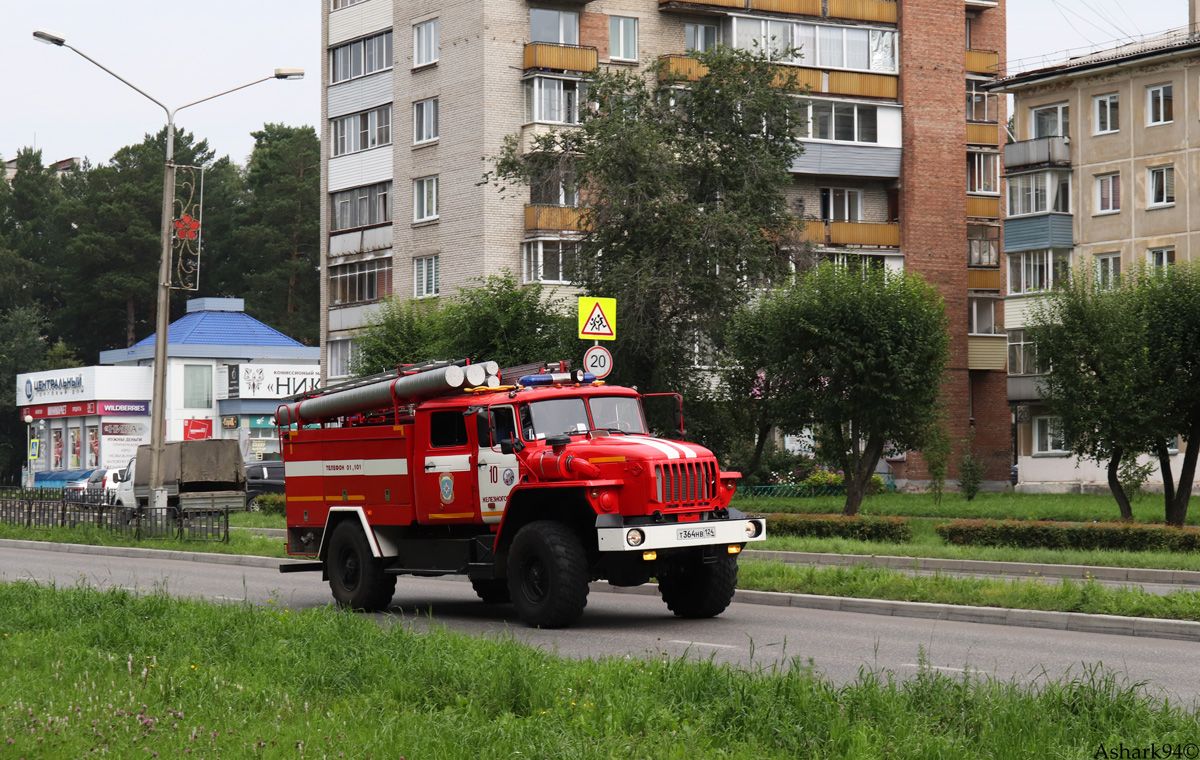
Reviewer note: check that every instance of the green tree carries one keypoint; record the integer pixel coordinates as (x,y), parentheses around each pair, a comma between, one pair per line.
(859,356)
(683,189)
(30,230)
(495,319)
(1099,382)
(273,260)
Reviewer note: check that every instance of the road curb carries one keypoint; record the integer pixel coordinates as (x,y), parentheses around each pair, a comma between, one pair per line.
(1184,630)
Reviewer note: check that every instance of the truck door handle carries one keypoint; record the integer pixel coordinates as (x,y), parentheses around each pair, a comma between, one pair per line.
(481,464)
(430,466)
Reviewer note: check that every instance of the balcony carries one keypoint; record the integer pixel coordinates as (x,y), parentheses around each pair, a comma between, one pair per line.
(1037,153)
(798,7)
(540,217)
(546,55)
(983,62)
(682,68)
(985,279)
(987,351)
(983,207)
(864,10)
(1037,231)
(865,85)
(739,4)
(983,134)
(1023,389)
(865,234)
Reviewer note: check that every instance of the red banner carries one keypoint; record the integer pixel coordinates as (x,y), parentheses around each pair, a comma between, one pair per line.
(197,430)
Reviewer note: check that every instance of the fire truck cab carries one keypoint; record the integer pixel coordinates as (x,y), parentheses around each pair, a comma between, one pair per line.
(532,490)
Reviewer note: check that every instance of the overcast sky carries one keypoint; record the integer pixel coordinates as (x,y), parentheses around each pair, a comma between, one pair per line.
(179,52)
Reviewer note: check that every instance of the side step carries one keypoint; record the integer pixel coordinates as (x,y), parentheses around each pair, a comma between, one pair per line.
(301,567)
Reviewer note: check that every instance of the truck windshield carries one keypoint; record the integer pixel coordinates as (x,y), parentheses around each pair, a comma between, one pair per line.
(555,417)
(617,413)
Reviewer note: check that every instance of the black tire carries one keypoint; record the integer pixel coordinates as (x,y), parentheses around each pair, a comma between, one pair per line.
(548,574)
(356,577)
(695,589)
(492,591)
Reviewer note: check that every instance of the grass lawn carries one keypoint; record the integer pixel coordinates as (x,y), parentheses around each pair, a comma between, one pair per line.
(114,674)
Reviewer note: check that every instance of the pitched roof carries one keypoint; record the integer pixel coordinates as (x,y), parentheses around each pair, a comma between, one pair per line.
(221,328)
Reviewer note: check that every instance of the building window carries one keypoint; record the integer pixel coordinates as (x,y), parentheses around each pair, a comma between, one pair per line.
(1039,192)
(1108,270)
(1108,193)
(340,357)
(555,188)
(1051,121)
(425,120)
(1047,436)
(981,106)
(362,131)
(622,38)
(1160,258)
(425,43)
(983,173)
(360,282)
(197,386)
(362,206)
(1160,108)
(427,276)
(1161,186)
(339,4)
(361,58)
(1034,271)
(550,260)
(425,199)
(558,27)
(699,37)
(842,122)
(981,316)
(1108,118)
(553,100)
(983,245)
(841,204)
(835,47)
(1022,356)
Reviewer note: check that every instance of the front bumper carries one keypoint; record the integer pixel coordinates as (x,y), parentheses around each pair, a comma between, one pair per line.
(687,535)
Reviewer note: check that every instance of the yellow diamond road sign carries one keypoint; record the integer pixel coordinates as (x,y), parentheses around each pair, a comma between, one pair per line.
(598,318)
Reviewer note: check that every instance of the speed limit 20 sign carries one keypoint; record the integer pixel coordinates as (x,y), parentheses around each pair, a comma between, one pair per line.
(598,361)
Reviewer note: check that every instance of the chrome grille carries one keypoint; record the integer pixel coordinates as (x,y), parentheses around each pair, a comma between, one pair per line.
(686,483)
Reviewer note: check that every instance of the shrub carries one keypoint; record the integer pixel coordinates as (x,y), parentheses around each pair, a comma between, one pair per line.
(970,468)
(271,504)
(1054,535)
(894,530)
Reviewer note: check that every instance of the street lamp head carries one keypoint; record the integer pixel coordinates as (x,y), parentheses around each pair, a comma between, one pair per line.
(289,73)
(29,419)
(49,37)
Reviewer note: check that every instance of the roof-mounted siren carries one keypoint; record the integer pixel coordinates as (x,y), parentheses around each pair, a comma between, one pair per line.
(385,394)
(556,378)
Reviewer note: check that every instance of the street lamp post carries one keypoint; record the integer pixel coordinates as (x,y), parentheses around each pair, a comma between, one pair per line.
(158,430)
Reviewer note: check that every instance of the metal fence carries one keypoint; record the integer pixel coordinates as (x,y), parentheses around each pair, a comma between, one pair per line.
(54,508)
(805,491)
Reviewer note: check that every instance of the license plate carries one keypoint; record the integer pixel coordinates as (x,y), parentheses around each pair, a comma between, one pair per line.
(692,534)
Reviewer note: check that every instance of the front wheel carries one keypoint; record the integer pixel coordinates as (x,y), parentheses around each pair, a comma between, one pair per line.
(356,576)
(697,589)
(548,574)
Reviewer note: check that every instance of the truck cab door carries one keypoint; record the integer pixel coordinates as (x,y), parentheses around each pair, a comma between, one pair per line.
(446,480)
(498,473)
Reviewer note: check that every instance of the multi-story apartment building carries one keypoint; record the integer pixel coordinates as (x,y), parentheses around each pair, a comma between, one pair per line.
(901,166)
(1097,178)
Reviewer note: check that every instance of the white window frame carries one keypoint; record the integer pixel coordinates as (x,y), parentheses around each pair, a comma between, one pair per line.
(347,134)
(1038,193)
(360,282)
(1062,119)
(534,257)
(981,313)
(425,198)
(978,100)
(851,203)
(1052,430)
(1037,271)
(336,5)
(339,357)
(983,251)
(986,166)
(700,37)
(371,55)
(361,206)
(1160,193)
(1022,354)
(567,34)
(1158,259)
(427,276)
(1108,186)
(775,34)
(620,46)
(567,100)
(1108,270)
(1160,98)
(425,43)
(425,121)
(1106,114)
(838,112)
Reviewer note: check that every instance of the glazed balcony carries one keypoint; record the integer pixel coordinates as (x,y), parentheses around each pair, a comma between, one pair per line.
(540,217)
(879,11)
(554,57)
(684,68)
(1024,389)
(983,62)
(883,11)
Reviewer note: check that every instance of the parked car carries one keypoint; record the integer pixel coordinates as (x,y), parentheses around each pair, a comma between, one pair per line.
(79,483)
(262,477)
(109,482)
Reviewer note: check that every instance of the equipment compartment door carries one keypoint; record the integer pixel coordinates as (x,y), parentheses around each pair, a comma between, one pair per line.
(498,473)
(447,479)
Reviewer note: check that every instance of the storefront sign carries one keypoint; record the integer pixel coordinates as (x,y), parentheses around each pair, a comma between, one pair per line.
(197,430)
(266,381)
(87,408)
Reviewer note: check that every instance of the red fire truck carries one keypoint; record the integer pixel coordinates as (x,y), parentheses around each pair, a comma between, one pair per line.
(531,489)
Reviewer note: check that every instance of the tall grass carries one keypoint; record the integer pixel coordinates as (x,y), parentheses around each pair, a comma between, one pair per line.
(91,673)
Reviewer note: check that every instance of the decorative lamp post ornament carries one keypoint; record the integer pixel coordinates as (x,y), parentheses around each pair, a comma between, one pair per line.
(187,228)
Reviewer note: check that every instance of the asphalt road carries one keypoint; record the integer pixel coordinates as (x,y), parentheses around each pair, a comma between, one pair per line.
(839,644)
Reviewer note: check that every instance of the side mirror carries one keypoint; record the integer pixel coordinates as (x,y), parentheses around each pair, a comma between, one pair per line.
(511,446)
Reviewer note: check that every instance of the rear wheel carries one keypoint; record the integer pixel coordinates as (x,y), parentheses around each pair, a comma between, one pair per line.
(492,590)
(697,589)
(548,574)
(356,577)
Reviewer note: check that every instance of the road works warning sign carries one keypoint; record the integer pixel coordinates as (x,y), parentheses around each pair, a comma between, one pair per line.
(598,318)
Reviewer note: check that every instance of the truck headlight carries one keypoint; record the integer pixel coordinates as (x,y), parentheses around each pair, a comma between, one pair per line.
(753,529)
(635,537)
